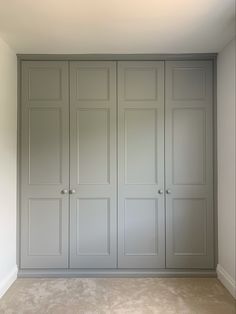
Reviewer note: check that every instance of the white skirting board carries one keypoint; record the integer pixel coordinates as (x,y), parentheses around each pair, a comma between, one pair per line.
(8,281)
(226,280)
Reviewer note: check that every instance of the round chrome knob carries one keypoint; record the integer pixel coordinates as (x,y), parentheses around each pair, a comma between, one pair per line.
(160,191)
(168,191)
(72,191)
(64,191)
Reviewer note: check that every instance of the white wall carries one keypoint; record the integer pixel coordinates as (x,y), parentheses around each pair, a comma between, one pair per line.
(8,156)
(226,167)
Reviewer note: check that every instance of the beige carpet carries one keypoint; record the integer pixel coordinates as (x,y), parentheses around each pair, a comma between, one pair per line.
(113,295)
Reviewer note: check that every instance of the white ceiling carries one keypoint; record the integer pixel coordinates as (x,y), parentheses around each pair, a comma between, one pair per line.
(117,26)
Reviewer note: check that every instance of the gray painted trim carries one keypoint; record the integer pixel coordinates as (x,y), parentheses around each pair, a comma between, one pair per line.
(161,273)
(18,170)
(117,57)
(215,163)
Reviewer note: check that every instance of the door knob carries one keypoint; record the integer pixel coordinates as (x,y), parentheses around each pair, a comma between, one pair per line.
(160,191)
(64,191)
(168,191)
(72,191)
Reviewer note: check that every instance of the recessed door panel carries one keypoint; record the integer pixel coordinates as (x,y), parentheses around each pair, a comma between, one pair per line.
(45,227)
(140,146)
(189,146)
(45,145)
(92,83)
(189,83)
(140,83)
(93,224)
(44,164)
(93,146)
(93,165)
(189,165)
(189,226)
(140,227)
(141,165)
(45,83)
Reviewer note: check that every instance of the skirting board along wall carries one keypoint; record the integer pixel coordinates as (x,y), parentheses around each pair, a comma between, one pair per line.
(8,281)
(226,280)
(113,273)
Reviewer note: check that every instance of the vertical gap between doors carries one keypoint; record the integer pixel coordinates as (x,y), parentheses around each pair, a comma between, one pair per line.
(165,157)
(117,170)
(19,126)
(69,209)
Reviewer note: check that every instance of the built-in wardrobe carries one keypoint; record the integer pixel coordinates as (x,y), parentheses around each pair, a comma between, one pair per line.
(116,165)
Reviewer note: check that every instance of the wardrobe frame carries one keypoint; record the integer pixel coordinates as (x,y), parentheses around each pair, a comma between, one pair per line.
(118,272)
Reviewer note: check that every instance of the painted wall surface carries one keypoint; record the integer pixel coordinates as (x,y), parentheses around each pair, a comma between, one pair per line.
(105,26)
(8,157)
(226,166)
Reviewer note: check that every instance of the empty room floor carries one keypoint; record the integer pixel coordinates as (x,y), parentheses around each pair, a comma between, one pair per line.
(118,295)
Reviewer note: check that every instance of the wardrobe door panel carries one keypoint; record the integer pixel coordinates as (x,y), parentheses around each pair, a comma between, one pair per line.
(141,165)
(93,165)
(46,213)
(189,164)
(189,146)
(140,143)
(93,146)
(93,226)
(140,227)
(44,164)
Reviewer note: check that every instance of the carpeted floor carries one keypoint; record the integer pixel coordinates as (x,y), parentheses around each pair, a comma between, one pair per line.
(118,295)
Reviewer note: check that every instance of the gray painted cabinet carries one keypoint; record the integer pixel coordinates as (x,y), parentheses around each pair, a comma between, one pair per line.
(44,164)
(189,164)
(116,164)
(93,234)
(141,211)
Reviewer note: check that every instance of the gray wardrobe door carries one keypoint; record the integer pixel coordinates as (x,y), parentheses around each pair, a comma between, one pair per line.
(44,164)
(141,165)
(93,165)
(189,164)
